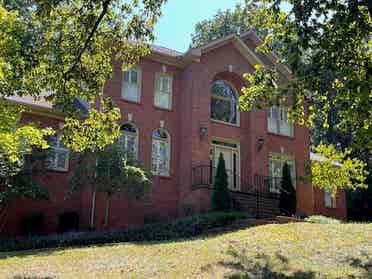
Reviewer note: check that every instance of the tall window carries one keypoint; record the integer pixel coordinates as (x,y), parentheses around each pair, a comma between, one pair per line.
(160,153)
(163,91)
(224,103)
(276,164)
(58,154)
(129,141)
(329,200)
(131,88)
(278,123)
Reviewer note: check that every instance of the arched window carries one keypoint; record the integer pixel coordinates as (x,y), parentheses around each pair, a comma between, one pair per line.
(160,152)
(128,140)
(224,103)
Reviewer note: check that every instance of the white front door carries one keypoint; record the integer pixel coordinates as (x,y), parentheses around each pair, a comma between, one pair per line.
(231,157)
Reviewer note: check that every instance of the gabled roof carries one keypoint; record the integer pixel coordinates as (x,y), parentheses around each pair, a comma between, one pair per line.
(193,54)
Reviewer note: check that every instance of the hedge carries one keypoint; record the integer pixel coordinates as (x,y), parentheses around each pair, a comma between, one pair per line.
(182,228)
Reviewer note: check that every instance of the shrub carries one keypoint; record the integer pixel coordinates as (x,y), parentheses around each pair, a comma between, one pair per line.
(183,228)
(288,201)
(68,221)
(322,220)
(221,199)
(32,224)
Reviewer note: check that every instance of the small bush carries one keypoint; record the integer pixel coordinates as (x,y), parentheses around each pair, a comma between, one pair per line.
(183,228)
(68,221)
(319,219)
(32,224)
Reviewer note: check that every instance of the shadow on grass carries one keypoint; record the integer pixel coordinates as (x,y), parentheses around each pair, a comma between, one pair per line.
(31,277)
(364,263)
(261,266)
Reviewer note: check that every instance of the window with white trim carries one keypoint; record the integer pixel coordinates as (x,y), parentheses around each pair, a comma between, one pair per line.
(276,164)
(278,123)
(329,199)
(163,91)
(58,154)
(224,103)
(128,141)
(131,86)
(160,161)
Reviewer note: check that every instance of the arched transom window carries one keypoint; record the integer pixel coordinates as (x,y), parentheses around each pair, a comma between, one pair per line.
(160,152)
(129,141)
(224,103)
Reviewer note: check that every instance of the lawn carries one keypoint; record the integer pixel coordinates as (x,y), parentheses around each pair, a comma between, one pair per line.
(300,250)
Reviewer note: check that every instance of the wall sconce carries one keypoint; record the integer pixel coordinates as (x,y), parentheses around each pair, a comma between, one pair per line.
(202,132)
(260,143)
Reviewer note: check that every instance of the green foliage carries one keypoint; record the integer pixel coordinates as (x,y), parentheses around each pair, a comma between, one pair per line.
(337,170)
(319,219)
(183,228)
(63,51)
(221,199)
(327,46)
(224,23)
(18,179)
(288,200)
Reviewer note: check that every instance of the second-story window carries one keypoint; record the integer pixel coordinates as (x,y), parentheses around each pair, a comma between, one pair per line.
(224,103)
(163,91)
(58,154)
(131,87)
(128,141)
(278,123)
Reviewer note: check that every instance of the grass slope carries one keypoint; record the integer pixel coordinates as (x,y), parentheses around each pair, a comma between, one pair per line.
(300,250)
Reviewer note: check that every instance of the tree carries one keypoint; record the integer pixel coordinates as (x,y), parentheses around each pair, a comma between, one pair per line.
(288,200)
(336,170)
(327,47)
(63,51)
(107,171)
(221,199)
(224,23)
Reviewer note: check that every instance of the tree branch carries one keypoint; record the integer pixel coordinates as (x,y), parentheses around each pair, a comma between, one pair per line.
(105,6)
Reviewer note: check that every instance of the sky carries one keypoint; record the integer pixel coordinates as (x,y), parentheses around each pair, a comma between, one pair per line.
(177,23)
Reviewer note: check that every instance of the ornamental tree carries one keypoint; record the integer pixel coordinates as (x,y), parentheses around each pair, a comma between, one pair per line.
(221,199)
(288,200)
(107,171)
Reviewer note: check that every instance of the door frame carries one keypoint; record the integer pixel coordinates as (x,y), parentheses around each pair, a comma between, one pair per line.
(235,150)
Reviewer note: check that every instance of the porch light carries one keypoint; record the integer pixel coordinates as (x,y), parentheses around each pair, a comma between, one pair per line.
(260,143)
(202,132)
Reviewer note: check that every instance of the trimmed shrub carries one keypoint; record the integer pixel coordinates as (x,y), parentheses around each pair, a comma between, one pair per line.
(221,199)
(183,228)
(68,221)
(32,224)
(288,200)
(319,219)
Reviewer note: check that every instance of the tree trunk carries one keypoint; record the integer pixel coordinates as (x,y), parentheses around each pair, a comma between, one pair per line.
(93,208)
(107,211)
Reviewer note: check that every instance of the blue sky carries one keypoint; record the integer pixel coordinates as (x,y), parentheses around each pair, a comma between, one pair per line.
(175,27)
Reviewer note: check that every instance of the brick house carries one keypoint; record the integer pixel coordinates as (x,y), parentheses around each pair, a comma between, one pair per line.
(179,112)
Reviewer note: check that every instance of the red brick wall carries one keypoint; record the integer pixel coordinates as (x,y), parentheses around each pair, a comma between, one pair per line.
(340,212)
(190,111)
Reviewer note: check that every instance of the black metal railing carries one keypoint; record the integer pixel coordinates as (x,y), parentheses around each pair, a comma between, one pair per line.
(203,176)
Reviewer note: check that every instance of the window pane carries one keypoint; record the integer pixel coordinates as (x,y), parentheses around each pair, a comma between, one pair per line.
(61,159)
(131,92)
(162,100)
(126,76)
(223,89)
(223,110)
(134,77)
(272,125)
(53,141)
(50,158)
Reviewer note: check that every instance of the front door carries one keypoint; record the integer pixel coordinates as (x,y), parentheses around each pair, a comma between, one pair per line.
(231,157)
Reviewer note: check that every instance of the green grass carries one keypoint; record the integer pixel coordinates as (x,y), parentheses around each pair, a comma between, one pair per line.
(300,250)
